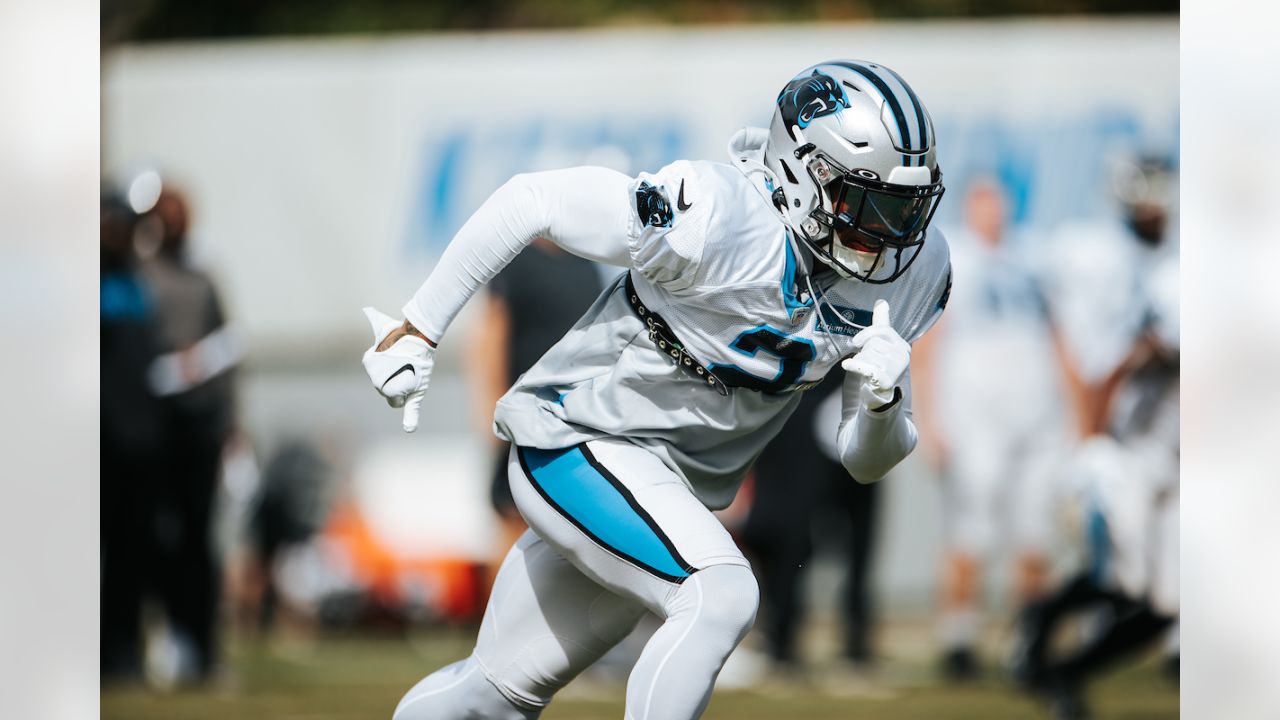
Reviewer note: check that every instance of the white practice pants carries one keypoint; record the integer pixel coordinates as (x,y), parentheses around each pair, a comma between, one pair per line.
(613,534)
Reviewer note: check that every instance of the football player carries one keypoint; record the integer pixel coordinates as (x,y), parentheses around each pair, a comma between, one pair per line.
(1126,468)
(746,283)
(998,434)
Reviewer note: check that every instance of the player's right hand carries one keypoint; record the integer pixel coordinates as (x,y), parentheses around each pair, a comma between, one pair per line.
(401,371)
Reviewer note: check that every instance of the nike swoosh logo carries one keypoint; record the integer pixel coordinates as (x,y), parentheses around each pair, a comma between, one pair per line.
(681,205)
(404,367)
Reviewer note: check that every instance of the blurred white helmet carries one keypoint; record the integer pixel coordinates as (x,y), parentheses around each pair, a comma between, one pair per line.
(854,151)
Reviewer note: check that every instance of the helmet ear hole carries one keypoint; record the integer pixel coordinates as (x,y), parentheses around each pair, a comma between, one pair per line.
(791,178)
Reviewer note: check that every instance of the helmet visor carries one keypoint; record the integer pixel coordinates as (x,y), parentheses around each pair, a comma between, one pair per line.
(867,214)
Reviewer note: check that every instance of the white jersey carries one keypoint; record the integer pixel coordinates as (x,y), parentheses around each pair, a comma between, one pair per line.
(999,402)
(1093,283)
(713,258)
(998,363)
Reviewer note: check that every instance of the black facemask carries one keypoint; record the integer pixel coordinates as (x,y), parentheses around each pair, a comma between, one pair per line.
(873,217)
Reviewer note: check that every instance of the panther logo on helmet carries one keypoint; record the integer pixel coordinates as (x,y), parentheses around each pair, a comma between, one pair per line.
(806,98)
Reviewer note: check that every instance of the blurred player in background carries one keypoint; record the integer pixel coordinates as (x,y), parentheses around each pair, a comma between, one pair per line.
(195,378)
(1094,283)
(528,307)
(798,480)
(747,283)
(133,442)
(988,372)
(1126,468)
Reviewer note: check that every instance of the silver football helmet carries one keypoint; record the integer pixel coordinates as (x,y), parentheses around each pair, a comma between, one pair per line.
(855,155)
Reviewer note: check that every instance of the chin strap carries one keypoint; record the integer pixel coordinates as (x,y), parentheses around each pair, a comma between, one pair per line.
(821,298)
(780,201)
(817,300)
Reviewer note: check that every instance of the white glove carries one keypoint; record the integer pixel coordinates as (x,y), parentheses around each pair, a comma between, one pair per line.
(401,372)
(882,359)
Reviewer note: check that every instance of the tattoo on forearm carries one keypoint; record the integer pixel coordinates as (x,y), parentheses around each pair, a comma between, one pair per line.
(411,330)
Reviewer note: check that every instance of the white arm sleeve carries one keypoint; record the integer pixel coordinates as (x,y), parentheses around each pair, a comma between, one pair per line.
(583,210)
(872,443)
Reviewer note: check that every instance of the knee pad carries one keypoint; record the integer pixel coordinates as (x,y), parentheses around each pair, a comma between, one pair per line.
(459,692)
(729,598)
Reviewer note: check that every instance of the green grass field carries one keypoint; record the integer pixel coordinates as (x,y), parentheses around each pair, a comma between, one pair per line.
(363,678)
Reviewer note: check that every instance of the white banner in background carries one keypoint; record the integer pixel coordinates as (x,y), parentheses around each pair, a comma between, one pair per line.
(327,174)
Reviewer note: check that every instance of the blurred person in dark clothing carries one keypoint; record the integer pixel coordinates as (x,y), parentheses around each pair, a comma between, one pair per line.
(194,377)
(799,485)
(133,437)
(528,308)
(291,506)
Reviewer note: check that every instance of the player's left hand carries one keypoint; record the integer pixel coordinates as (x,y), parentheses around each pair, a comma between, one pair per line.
(399,367)
(882,359)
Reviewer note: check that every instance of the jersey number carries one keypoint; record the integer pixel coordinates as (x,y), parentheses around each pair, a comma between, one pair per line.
(794,352)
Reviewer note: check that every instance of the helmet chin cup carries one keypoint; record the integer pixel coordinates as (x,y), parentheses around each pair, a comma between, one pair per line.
(865,263)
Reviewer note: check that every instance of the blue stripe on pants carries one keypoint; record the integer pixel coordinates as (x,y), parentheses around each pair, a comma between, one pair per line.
(587,494)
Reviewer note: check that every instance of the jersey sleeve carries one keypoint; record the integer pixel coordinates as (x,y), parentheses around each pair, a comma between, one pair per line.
(583,210)
(667,230)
